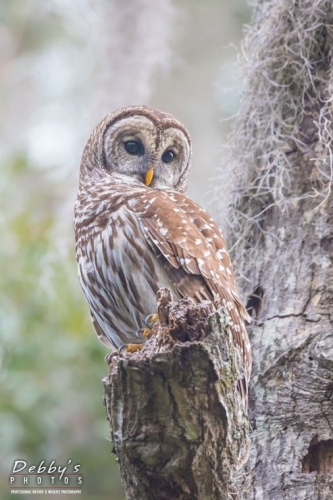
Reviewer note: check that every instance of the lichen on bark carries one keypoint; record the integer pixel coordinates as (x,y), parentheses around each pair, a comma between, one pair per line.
(281,238)
(176,416)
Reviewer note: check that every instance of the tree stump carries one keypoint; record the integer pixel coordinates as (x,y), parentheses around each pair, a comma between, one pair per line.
(176,416)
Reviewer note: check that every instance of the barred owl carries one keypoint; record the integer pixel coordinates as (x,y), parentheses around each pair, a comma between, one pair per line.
(137,231)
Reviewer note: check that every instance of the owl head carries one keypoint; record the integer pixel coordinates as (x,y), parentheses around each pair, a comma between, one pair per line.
(141,144)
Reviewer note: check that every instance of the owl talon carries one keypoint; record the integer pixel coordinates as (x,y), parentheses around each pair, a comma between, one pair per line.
(133,347)
(110,355)
(144,332)
(130,348)
(125,347)
(151,320)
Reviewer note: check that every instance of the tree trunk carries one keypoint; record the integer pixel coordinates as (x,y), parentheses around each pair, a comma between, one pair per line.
(282,227)
(176,417)
(173,409)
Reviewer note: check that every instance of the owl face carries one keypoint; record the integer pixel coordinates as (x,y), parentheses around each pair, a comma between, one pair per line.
(148,146)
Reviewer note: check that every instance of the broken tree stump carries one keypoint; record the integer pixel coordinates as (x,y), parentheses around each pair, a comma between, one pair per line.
(176,416)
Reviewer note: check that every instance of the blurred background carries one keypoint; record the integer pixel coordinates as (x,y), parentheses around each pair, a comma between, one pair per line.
(63,67)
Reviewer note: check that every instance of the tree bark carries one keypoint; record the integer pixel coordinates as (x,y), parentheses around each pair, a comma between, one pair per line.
(292,385)
(283,226)
(177,424)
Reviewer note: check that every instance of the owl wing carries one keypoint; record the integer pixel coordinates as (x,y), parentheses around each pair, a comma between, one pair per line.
(192,250)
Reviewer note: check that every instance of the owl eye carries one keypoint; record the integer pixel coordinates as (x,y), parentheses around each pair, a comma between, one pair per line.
(134,148)
(168,156)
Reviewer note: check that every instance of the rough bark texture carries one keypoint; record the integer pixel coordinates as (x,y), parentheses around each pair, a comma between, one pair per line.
(290,205)
(176,419)
(292,385)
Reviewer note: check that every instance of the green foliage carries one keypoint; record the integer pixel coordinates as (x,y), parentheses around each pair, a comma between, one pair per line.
(52,363)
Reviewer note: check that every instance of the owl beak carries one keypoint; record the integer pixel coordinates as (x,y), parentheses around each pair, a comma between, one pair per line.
(149,176)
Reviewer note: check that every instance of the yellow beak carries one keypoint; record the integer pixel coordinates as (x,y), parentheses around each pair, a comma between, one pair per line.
(149,176)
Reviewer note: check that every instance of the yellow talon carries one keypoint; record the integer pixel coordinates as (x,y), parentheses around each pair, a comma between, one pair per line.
(150,320)
(134,347)
(149,176)
(146,332)
(126,347)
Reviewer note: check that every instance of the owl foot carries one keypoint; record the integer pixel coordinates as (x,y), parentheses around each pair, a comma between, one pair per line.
(131,348)
(144,332)
(150,320)
(147,332)
(124,348)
